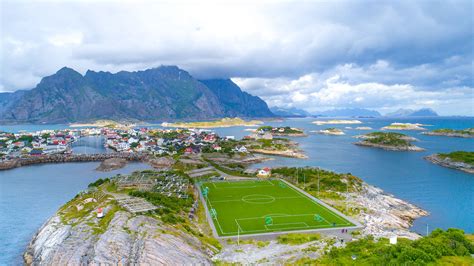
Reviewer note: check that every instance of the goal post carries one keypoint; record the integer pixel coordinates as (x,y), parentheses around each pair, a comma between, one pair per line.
(205,191)
(318,218)
(268,220)
(213,213)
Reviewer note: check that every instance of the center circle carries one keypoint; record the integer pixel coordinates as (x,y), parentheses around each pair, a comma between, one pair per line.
(258,199)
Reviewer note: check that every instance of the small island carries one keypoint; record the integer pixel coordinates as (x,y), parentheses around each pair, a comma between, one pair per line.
(404,126)
(225,122)
(330,131)
(336,122)
(388,141)
(104,123)
(275,146)
(458,133)
(281,131)
(460,160)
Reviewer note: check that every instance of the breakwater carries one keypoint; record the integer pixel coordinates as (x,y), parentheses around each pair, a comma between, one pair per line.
(68,158)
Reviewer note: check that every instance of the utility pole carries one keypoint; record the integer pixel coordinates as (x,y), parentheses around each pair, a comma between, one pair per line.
(347,195)
(318,182)
(238,235)
(297,176)
(304,180)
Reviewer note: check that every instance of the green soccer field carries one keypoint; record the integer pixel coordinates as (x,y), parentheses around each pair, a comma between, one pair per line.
(263,206)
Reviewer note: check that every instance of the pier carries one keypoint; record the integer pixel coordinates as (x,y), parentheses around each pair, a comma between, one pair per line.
(69,158)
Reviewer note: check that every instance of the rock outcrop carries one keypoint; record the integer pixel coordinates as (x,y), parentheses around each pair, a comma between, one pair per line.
(111,164)
(129,239)
(447,162)
(386,215)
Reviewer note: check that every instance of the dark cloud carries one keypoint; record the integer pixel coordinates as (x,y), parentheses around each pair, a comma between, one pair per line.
(424,44)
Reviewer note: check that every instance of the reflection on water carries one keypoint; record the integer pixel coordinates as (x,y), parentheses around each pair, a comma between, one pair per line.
(90,145)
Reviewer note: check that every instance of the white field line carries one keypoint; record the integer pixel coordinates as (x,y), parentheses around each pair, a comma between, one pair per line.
(301,195)
(305,225)
(256,199)
(238,225)
(217,220)
(316,203)
(253,184)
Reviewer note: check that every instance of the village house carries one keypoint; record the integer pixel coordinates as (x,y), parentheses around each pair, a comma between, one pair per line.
(264,172)
(242,149)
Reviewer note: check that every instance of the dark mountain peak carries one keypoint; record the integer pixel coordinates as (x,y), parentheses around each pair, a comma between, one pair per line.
(64,78)
(65,71)
(163,71)
(162,93)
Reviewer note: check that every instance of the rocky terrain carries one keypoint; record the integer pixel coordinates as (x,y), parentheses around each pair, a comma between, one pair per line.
(447,162)
(389,147)
(330,131)
(388,141)
(466,133)
(128,240)
(384,215)
(171,93)
(404,126)
(124,238)
(111,164)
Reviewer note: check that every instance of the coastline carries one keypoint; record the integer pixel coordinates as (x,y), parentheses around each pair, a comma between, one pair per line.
(446,162)
(285,153)
(146,240)
(389,148)
(455,135)
(67,158)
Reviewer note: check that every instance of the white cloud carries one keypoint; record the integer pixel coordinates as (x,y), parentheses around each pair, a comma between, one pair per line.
(339,88)
(73,38)
(275,48)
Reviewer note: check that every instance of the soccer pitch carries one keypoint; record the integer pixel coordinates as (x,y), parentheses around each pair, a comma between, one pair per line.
(265,206)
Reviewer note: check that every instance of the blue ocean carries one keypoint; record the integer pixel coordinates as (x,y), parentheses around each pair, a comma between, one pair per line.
(30,195)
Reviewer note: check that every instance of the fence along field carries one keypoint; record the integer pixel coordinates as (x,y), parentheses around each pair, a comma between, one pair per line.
(264,206)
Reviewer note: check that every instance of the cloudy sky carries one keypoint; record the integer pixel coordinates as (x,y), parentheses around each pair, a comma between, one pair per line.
(315,55)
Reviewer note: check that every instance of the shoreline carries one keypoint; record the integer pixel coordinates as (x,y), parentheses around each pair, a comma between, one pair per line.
(61,158)
(382,215)
(442,134)
(389,148)
(448,163)
(285,153)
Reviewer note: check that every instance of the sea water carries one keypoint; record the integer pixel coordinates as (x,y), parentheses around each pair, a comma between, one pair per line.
(30,195)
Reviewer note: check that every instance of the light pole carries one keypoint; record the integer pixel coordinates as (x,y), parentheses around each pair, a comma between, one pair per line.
(318,182)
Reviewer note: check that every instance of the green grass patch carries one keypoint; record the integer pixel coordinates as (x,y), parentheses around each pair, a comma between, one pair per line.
(459,156)
(263,206)
(388,138)
(297,239)
(436,249)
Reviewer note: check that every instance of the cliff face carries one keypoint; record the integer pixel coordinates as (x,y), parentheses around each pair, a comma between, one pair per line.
(127,240)
(236,102)
(156,94)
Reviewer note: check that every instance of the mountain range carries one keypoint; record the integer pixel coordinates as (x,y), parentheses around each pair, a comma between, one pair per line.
(352,112)
(423,112)
(157,94)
